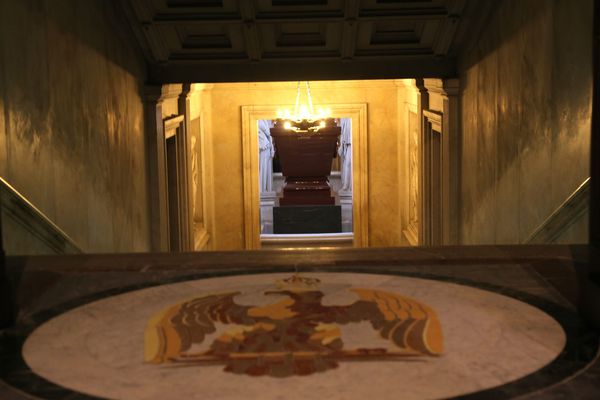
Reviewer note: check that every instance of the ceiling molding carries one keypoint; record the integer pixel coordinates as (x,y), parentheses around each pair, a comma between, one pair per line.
(400,67)
(305,36)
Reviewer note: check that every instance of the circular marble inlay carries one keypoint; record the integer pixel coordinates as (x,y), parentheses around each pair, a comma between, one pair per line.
(270,336)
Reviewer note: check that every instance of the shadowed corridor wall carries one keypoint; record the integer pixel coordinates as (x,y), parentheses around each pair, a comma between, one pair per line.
(71,120)
(526,112)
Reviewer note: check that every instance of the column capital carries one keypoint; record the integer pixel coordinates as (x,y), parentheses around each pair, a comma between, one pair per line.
(186,91)
(445,87)
(420,84)
(152,94)
(158,93)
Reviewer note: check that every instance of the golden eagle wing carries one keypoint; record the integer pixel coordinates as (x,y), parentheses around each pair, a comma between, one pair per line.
(174,329)
(408,323)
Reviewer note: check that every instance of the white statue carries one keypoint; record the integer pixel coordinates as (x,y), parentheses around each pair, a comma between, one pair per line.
(345,153)
(267,152)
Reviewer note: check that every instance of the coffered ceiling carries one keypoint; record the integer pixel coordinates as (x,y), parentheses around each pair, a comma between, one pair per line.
(227,40)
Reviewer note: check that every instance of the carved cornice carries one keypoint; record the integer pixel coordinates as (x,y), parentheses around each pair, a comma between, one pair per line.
(173,122)
(152,93)
(155,94)
(186,90)
(406,83)
(420,85)
(170,91)
(246,33)
(314,85)
(199,87)
(445,87)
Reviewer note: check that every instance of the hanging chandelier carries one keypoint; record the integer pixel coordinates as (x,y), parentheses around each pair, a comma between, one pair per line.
(304,118)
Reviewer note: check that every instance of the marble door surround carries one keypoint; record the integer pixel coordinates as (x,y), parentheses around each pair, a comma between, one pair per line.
(433,215)
(250,117)
(167,140)
(437,108)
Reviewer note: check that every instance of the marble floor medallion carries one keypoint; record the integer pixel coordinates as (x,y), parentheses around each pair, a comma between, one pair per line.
(309,336)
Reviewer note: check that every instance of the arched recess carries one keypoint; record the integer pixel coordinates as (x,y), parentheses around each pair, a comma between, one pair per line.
(360,209)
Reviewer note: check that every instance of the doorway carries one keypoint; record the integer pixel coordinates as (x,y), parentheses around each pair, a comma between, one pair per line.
(318,225)
(259,205)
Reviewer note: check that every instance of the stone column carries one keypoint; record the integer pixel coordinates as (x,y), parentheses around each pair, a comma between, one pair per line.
(155,150)
(160,103)
(439,98)
(451,167)
(422,104)
(187,233)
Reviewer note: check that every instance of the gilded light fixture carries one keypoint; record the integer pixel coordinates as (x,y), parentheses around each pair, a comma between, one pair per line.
(304,118)
(305,143)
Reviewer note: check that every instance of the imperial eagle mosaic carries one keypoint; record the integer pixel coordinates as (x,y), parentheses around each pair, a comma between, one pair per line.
(295,333)
(316,335)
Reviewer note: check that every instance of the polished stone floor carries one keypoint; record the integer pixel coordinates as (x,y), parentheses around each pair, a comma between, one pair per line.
(440,323)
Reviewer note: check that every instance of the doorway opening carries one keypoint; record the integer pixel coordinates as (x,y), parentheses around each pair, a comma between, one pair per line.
(311,224)
(258,233)
(389,153)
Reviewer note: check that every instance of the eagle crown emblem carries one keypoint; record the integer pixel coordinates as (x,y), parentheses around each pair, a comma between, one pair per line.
(297,283)
(297,335)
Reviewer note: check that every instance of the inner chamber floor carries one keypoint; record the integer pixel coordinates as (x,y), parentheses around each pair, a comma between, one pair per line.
(489,322)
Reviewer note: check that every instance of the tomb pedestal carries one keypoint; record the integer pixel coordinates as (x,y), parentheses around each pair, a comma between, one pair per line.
(267,202)
(306,158)
(307,219)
